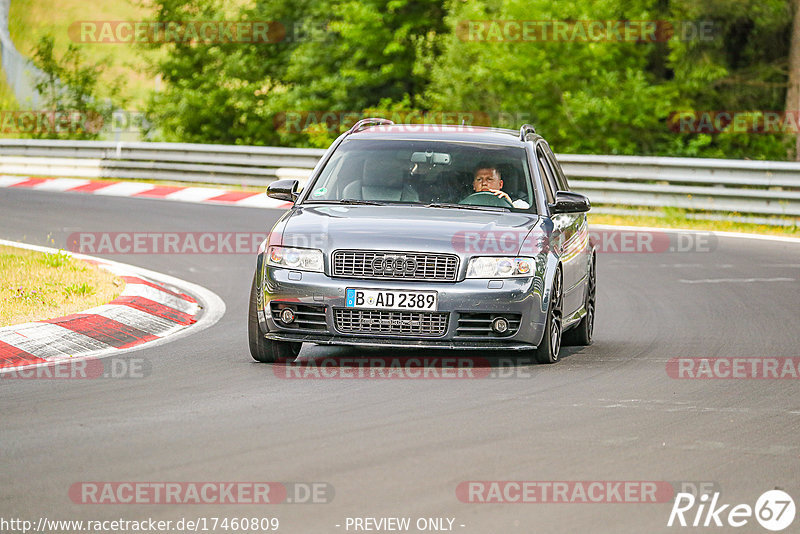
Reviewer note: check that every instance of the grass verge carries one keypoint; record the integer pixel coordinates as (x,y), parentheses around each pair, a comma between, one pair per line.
(37,286)
(31,19)
(8,102)
(694,224)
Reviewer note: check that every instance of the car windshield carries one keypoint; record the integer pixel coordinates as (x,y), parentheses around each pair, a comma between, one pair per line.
(426,172)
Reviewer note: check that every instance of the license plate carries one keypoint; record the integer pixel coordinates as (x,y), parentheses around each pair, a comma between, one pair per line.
(391,300)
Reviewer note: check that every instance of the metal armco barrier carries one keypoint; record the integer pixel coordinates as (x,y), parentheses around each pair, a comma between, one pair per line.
(726,188)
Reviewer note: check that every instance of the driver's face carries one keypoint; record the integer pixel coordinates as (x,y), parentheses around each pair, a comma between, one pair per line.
(487,179)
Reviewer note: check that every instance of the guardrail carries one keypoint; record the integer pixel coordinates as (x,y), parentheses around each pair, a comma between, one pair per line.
(183,162)
(727,189)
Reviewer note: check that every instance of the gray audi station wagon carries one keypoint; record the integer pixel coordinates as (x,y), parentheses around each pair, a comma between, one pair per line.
(427,236)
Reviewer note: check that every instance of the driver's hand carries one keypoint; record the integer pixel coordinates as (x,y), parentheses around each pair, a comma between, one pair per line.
(500,194)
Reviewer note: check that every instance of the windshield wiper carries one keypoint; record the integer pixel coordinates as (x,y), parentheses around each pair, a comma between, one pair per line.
(348,201)
(462,206)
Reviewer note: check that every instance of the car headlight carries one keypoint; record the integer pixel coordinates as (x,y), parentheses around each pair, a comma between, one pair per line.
(302,259)
(500,267)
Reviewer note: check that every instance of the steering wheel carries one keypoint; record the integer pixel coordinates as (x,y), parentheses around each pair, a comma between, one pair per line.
(486,198)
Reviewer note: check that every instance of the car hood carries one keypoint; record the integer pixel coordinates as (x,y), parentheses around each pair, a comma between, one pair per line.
(405,228)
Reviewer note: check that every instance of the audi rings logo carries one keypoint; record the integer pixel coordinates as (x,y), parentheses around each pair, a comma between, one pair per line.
(394,265)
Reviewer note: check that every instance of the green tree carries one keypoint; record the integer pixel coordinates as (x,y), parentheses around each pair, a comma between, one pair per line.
(742,68)
(339,56)
(68,87)
(214,92)
(617,97)
(793,90)
(382,56)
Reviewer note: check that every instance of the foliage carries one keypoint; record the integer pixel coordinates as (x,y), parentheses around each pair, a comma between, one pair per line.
(68,87)
(617,97)
(385,56)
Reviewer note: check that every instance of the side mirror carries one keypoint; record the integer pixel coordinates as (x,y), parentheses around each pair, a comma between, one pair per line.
(283,190)
(569,202)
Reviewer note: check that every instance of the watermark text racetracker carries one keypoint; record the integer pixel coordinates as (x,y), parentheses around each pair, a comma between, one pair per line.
(619,31)
(735,122)
(181,242)
(735,368)
(405,368)
(564,491)
(605,241)
(510,242)
(47,121)
(254,32)
(209,492)
(412,121)
(176,31)
(85,369)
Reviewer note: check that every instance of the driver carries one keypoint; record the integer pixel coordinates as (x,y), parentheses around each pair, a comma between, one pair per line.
(487,179)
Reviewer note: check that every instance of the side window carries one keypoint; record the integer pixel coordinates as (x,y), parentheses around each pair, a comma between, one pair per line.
(547,173)
(561,180)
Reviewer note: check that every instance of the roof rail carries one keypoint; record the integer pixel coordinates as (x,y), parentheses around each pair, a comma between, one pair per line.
(365,123)
(525,130)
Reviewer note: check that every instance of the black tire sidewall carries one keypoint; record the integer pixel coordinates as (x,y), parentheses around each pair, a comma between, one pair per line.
(262,349)
(544,352)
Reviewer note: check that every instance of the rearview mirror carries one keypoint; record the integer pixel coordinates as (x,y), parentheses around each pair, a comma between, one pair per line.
(569,202)
(437,158)
(283,190)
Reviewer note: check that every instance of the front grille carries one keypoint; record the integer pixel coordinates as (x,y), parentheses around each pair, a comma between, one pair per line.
(390,322)
(480,324)
(402,265)
(307,317)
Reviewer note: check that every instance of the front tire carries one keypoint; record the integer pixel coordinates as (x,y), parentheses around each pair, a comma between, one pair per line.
(262,349)
(549,349)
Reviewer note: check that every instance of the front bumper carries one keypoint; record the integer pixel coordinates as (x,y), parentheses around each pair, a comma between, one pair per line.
(510,296)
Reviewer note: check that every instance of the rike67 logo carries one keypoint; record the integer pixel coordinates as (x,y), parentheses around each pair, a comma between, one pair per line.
(774,510)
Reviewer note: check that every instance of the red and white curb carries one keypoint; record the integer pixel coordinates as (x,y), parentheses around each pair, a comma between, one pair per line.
(153,309)
(248,199)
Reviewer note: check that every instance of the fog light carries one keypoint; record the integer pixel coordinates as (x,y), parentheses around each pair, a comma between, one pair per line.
(287,316)
(500,325)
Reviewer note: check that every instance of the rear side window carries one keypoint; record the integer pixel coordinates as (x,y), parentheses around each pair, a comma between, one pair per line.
(561,180)
(550,186)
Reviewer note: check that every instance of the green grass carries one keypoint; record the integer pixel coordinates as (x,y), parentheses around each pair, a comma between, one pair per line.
(7,99)
(8,102)
(83,289)
(31,19)
(677,219)
(36,285)
(54,260)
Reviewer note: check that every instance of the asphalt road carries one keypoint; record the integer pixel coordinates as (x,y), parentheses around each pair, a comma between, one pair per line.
(399,448)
